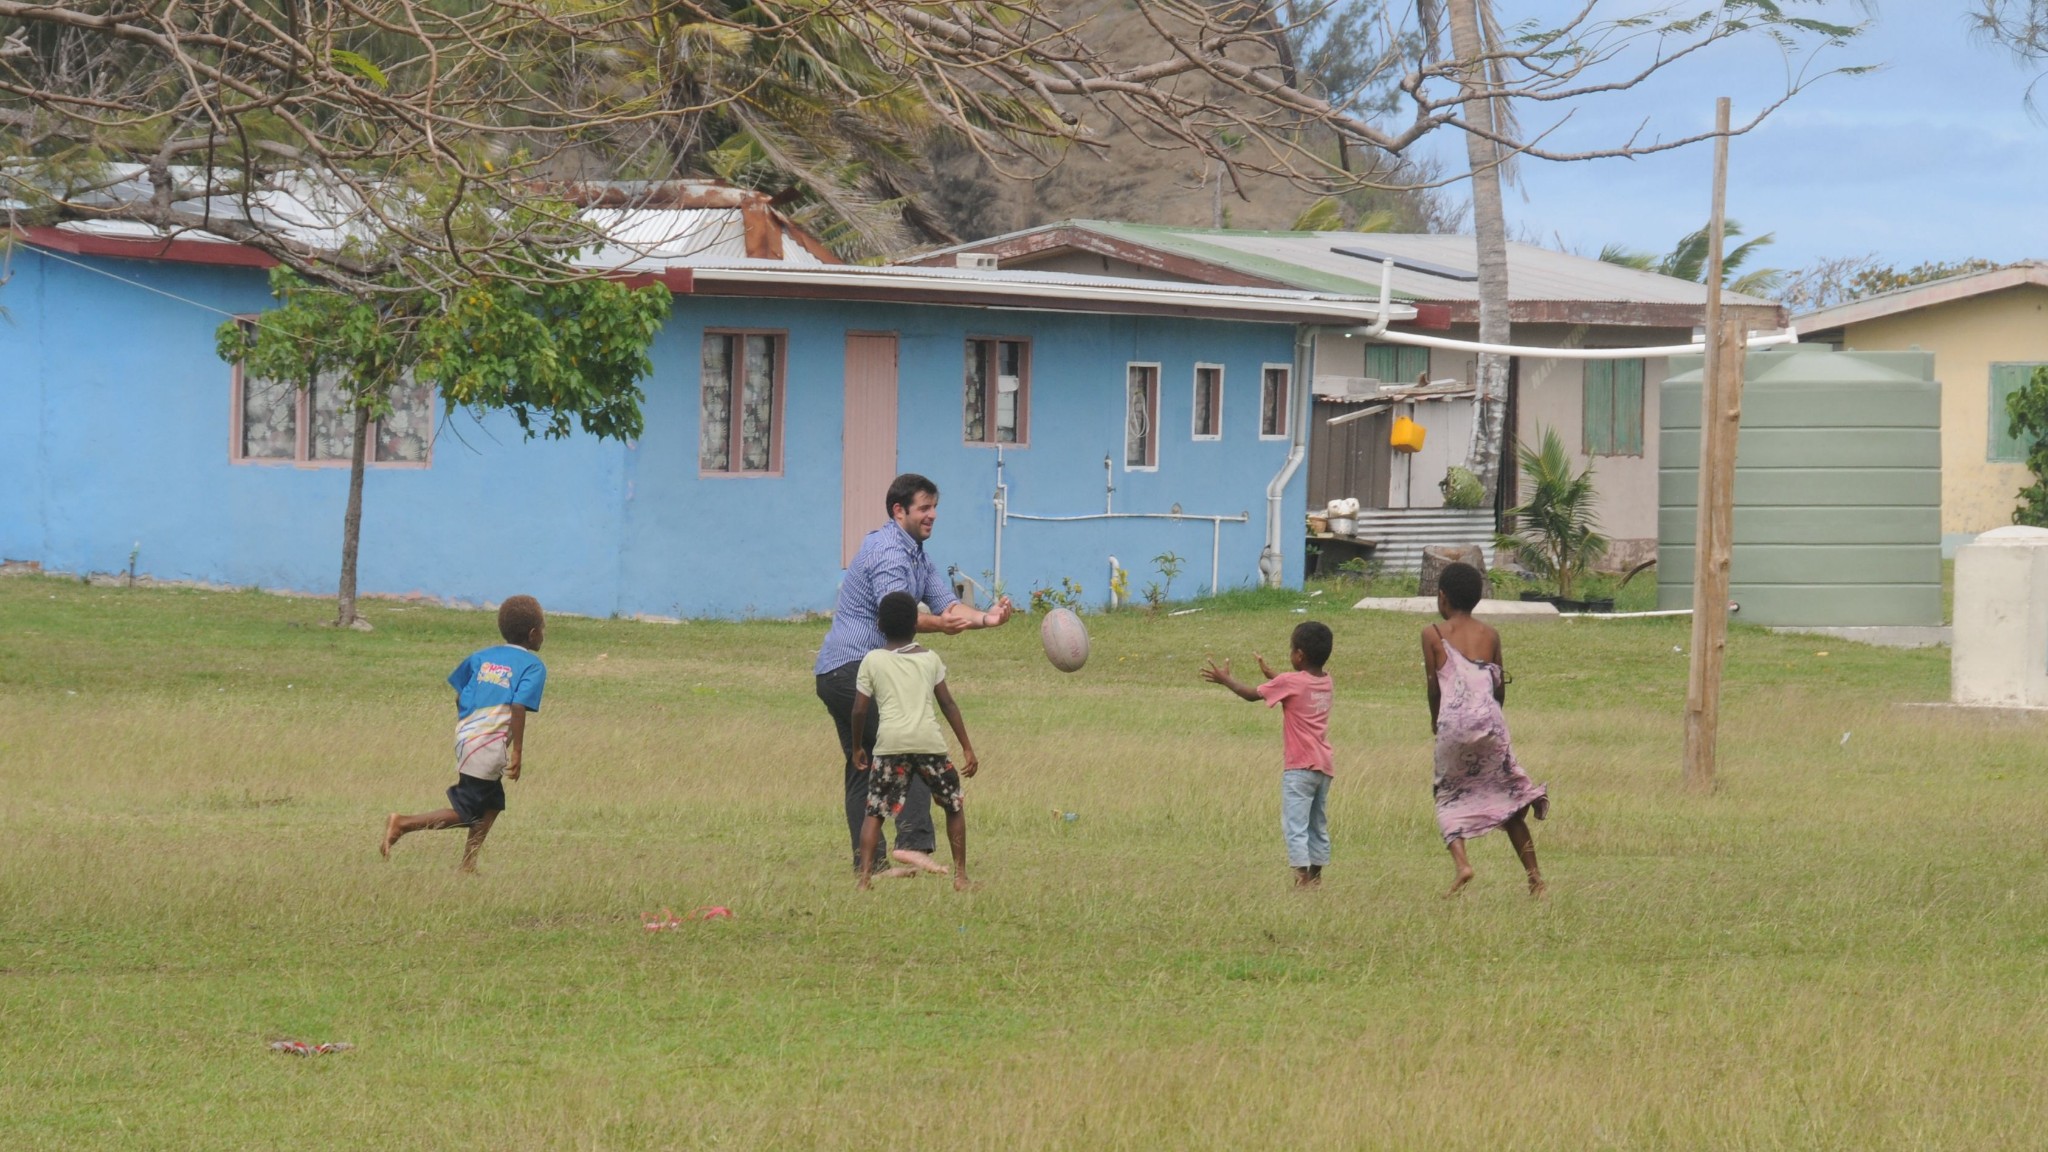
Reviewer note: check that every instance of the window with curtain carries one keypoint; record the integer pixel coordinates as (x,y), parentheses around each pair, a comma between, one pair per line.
(1208,401)
(1395,363)
(740,428)
(278,421)
(1141,416)
(996,394)
(1614,408)
(1273,402)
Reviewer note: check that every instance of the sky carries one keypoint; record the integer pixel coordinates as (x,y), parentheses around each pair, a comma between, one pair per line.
(1933,157)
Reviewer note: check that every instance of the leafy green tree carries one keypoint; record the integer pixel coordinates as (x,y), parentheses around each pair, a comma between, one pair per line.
(2027,410)
(1557,535)
(556,351)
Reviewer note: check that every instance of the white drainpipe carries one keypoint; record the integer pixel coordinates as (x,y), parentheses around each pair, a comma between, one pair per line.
(1270,566)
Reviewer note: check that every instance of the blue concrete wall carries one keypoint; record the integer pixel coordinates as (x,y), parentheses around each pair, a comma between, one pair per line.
(130,442)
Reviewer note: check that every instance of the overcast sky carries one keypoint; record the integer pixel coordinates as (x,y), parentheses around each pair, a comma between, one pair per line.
(1934,157)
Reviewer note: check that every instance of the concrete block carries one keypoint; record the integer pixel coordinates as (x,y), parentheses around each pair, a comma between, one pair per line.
(2000,656)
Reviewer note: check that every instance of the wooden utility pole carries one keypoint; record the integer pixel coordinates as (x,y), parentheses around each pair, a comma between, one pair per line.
(1720,424)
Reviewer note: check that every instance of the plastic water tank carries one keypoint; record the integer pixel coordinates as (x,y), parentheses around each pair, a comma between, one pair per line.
(1837,488)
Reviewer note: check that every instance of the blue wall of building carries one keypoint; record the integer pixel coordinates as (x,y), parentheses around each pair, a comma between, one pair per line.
(127,439)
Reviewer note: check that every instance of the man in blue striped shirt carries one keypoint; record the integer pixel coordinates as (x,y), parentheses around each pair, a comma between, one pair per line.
(891,559)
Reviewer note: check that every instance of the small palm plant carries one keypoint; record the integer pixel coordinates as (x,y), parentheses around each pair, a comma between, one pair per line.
(1556,534)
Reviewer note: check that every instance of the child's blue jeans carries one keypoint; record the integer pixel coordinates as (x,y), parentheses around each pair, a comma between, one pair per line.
(1305,816)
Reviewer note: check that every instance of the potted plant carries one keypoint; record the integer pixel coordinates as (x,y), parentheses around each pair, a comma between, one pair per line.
(1556,534)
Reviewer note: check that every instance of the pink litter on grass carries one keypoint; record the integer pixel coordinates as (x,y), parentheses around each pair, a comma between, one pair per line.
(301,1048)
(668,920)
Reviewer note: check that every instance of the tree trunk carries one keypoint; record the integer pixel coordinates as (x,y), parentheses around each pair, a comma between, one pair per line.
(352,524)
(1489,223)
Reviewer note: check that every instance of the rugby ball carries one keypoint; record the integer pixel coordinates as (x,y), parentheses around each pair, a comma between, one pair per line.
(1065,639)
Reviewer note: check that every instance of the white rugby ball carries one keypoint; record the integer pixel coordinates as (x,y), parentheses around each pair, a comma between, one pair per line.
(1065,639)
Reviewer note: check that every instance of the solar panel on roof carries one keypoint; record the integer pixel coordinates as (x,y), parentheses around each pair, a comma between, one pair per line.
(1402,262)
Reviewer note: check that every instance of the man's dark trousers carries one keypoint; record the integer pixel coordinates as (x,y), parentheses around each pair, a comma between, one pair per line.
(914,824)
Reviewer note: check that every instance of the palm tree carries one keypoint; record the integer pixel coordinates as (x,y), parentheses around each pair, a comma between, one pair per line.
(1474,34)
(1557,536)
(1688,261)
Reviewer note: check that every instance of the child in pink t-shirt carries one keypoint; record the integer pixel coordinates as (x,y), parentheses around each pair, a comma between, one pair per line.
(1303,697)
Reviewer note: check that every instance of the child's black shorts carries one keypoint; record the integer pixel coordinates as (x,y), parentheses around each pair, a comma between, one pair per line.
(472,796)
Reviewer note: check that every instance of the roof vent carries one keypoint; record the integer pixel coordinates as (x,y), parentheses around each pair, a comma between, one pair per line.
(979,261)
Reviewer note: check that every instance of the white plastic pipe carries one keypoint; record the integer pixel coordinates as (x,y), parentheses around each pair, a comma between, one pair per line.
(1271,567)
(1764,340)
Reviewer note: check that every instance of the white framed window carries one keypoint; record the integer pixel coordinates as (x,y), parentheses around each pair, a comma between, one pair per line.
(1208,402)
(996,392)
(1276,406)
(276,422)
(740,409)
(1141,417)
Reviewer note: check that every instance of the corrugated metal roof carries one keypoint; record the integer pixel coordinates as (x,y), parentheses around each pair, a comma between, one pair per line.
(1925,295)
(1311,260)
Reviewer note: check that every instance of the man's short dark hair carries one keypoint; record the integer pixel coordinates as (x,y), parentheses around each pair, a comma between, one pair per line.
(1462,585)
(1313,640)
(904,490)
(518,616)
(897,616)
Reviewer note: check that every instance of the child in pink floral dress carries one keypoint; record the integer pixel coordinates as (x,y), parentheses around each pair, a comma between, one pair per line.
(1478,784)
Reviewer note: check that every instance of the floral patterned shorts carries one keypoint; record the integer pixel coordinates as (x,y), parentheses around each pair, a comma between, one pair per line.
(890,777)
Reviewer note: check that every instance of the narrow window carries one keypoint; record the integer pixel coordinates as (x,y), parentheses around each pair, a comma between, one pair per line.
(1273,402)
(1208,401)
(1613,408)
(996,392)
(1141,417)
(740,428)
(270,419)
(2007,379)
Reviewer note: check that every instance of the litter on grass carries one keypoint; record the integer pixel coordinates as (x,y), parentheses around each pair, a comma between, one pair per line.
(301,1048)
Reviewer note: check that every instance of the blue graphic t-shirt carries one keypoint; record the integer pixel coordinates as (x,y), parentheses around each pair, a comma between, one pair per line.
(487,685)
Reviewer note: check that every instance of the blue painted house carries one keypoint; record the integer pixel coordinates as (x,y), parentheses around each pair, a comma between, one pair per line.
(785,394)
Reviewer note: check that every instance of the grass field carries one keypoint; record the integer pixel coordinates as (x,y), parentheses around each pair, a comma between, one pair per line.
(1844,947)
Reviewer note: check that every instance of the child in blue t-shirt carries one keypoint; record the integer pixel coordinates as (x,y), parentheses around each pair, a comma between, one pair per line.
(494,690)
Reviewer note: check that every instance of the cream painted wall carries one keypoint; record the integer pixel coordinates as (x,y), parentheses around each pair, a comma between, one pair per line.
(1967,337)
(1552,396)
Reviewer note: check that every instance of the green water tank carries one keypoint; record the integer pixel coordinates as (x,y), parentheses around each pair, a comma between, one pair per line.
(1837,488)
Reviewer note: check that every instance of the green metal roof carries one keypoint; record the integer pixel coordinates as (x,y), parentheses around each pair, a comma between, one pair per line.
(1187,242)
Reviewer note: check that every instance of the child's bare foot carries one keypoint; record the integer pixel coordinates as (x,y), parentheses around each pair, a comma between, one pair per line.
(863,885)
(899,873)
(1458,885)
(962,884)
(1537,888)
(392,831)
(919,861)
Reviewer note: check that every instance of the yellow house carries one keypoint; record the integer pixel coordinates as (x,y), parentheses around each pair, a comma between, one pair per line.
(1988,332)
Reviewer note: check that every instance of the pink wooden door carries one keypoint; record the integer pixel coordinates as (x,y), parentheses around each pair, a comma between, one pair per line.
(869,459)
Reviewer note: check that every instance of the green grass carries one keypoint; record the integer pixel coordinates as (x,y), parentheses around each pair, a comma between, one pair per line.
(1844,947)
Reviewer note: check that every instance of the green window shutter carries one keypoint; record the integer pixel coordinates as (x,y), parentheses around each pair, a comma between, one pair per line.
(1380,363)
(1628,407)
(1413,363)
(1599,408)
(2006,379)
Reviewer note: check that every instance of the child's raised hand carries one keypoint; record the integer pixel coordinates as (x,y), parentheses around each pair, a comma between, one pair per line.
(1215,673)
(1265,669)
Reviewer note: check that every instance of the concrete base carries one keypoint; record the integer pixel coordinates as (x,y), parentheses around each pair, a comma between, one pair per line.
(1883,636)
(1979,711)
(1487,609)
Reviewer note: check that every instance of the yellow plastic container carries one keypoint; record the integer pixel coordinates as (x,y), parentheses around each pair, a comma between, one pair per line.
(1407,435)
